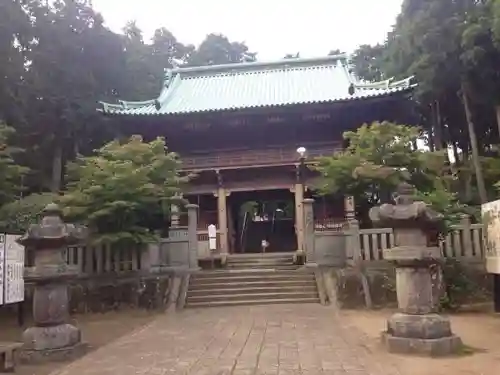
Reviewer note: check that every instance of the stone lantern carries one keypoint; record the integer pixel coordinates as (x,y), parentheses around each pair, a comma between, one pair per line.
(51,336)
(417,328)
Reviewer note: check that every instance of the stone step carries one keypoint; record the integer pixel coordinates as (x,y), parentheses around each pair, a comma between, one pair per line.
(262,258)
(260,263)
(252,296)
(246,277)
(309,282)
(253,302)
(252,272)
(253,280)
(262,266)
(261,255)
(236,289)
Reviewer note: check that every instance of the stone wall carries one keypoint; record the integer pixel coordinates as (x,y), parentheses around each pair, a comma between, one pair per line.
(330,248)
(114,292)
(110,295)
(465,283)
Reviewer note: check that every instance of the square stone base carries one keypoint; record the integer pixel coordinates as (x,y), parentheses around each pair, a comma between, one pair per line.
(68,354)
(53,343)
(430,347)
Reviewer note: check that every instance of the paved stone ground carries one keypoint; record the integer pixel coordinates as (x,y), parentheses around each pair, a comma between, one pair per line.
(278,339)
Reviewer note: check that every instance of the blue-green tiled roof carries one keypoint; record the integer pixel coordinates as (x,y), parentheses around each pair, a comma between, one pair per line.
(251,85)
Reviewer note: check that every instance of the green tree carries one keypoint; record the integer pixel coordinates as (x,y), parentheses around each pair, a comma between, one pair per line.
(368,62)
(17,216)
(378,157)
(124,190)
(217,49)
(432,40)
(12,173)
(15,31)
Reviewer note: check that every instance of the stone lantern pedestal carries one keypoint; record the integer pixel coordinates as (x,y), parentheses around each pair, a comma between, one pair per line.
(417,327)
(52,337)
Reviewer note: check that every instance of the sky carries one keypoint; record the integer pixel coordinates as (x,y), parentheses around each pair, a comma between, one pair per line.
(272,28)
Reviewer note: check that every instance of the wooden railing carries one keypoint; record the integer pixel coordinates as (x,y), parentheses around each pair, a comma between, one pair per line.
(102,259)
(374,241)
(464,241)
(271,156)
(93,260)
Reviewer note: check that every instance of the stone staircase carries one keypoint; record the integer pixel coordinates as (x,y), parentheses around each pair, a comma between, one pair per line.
(253,279)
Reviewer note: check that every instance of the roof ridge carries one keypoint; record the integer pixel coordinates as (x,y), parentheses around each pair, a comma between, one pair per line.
(259,65)
(271,69)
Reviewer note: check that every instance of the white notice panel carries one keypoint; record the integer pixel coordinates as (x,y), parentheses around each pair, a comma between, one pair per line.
(212,237)
(2,266)
(14,270)
(491,219)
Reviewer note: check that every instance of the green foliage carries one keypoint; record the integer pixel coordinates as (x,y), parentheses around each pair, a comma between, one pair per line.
(380,156)
(445,202)
(17,216)
(367,62)
(460,288)
(123,189)
(452,49)
(53,102)
(10,183)
(217,49)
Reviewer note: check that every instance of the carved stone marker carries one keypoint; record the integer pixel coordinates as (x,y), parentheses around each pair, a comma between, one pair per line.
(417,328)
(52,337)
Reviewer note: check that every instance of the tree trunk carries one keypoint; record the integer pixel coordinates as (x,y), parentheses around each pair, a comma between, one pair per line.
(438,130)
(57,162)
(467,187)
(474,147)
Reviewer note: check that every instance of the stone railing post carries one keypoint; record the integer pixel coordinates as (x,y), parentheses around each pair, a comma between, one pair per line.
(192,235)
(309,249)
(174,216)
(353,244)
(466,236)
(417,328)
(150,257)
(52,336)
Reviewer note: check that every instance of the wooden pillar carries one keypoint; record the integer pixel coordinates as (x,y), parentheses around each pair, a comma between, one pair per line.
(298,189)
(222,218)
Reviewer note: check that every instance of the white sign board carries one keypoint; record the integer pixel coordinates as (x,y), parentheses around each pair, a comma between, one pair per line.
(13,270)
(212,237)
(491,219)
(2,266)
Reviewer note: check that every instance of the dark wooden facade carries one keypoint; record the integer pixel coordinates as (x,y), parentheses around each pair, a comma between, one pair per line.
(256,150)
(237,127)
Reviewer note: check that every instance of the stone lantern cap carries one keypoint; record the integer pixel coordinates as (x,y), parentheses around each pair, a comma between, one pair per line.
(406,213)
(52,231)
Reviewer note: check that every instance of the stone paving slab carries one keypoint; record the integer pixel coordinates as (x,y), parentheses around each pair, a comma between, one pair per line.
(275,340)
